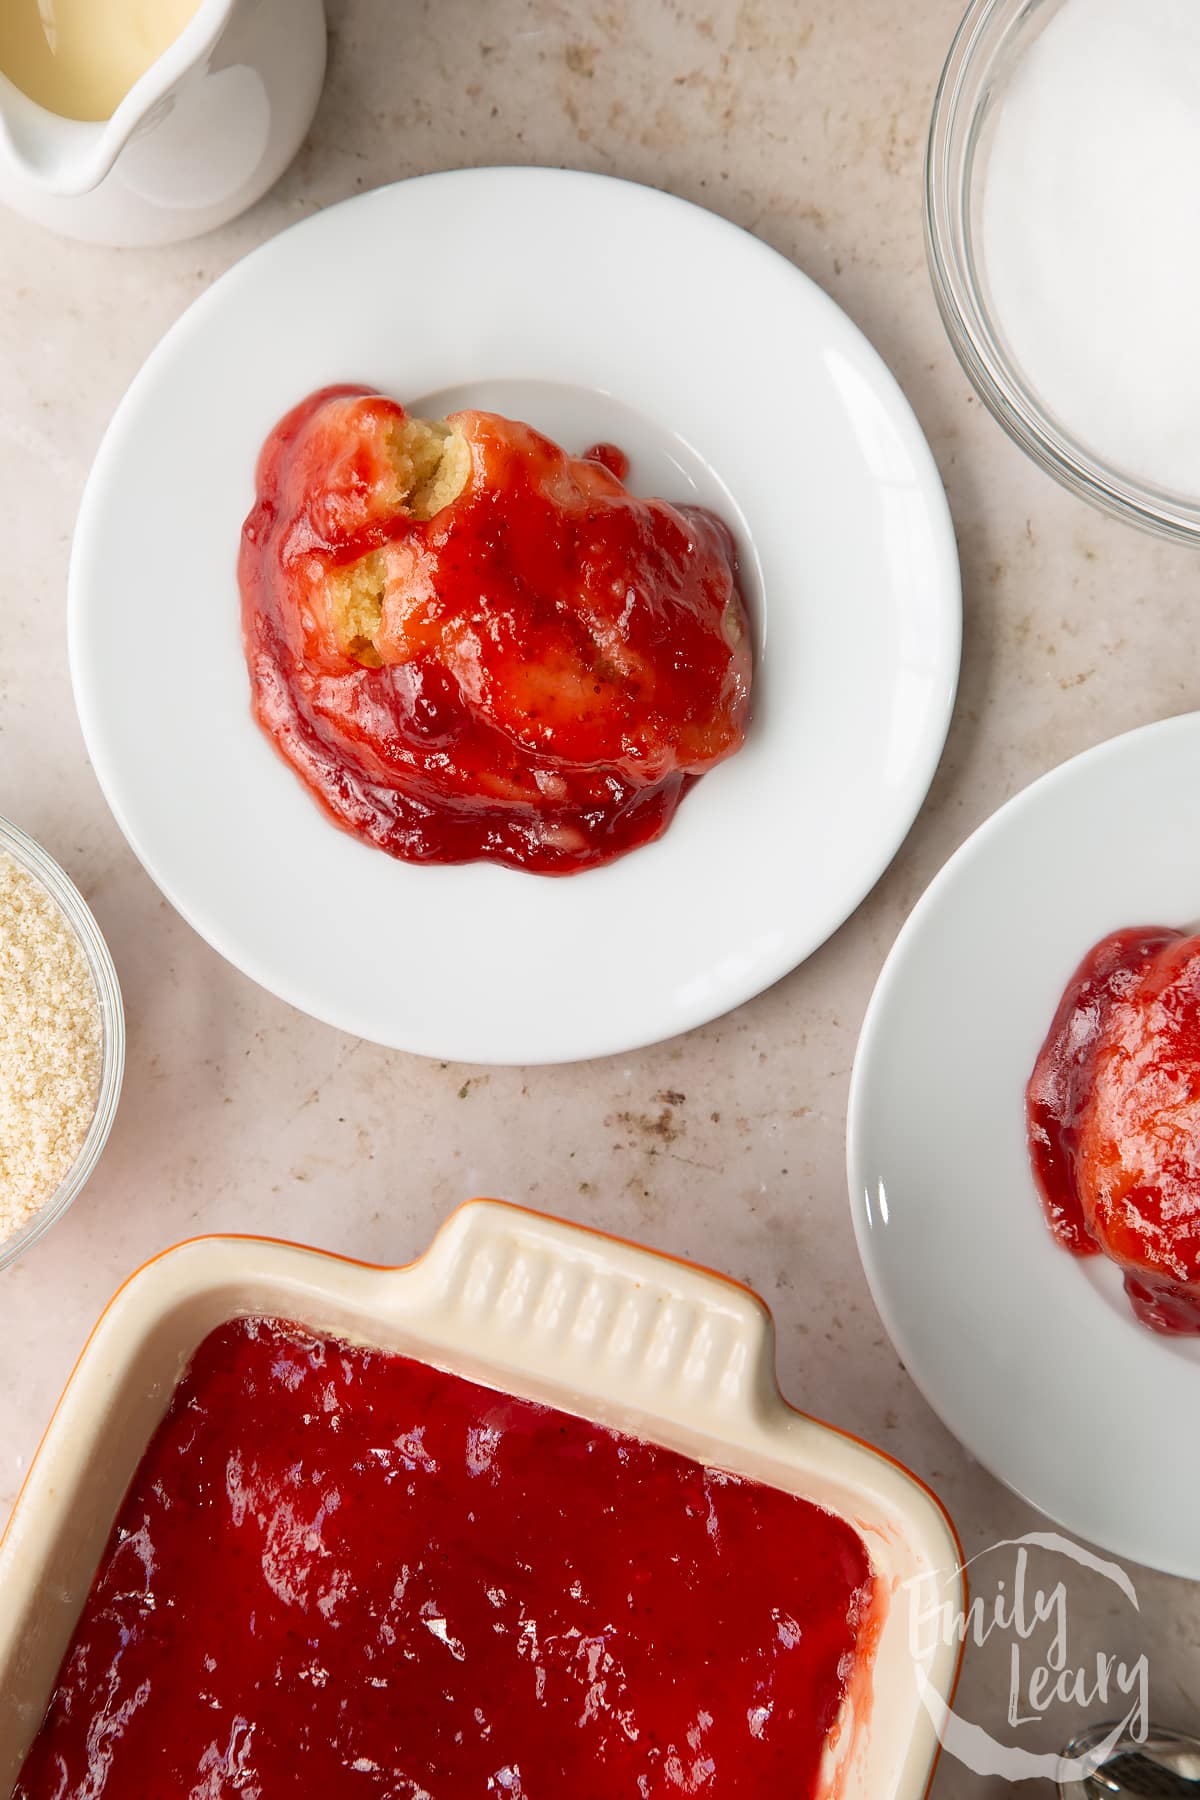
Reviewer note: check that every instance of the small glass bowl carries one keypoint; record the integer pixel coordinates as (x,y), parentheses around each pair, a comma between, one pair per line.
(992,38)
(34,860)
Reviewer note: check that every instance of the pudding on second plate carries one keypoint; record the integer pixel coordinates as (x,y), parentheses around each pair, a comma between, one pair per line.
(1113,1112)
(472,645)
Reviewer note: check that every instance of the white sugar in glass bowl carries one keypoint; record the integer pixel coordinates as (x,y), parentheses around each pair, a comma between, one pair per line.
(983,75)
(41,868)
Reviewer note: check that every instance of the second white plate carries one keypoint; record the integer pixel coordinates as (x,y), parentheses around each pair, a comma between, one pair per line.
(595,309)
(1031,1356)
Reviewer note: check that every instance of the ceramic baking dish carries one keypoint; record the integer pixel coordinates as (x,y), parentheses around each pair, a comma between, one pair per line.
(535,1307)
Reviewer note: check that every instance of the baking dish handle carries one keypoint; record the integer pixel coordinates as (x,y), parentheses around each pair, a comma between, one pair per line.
(540,1295)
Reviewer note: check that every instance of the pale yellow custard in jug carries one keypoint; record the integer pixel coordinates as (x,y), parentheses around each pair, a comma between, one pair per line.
(79,58)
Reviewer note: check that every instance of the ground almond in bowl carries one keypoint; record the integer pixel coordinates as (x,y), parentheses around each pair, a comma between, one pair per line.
(50,1046)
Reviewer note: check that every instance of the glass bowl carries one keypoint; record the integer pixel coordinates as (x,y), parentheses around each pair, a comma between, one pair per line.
(34,860)
(992,38)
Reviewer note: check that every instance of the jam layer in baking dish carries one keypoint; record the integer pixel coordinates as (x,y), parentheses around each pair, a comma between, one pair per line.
(339,1572)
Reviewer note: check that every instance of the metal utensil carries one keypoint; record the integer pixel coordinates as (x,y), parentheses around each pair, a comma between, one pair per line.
(1155,1765)
(1134,1773)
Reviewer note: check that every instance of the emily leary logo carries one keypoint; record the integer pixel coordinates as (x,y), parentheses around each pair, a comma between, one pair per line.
(1043,1666)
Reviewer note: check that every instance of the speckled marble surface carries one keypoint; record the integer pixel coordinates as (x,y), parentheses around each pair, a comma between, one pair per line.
(804,123)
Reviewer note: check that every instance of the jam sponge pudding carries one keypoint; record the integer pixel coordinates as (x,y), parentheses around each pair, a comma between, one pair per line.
(470,644)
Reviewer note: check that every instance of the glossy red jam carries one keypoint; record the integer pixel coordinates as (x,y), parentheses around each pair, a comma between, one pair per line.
(341,1573)
(1113,1110)
(610,457)
(557,660)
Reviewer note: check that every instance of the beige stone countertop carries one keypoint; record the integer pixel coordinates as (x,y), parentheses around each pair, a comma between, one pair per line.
(804,121)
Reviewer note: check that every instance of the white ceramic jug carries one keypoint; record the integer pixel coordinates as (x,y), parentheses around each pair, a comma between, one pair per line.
(205,131)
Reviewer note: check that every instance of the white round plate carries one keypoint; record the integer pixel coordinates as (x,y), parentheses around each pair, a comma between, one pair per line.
(1030,1355)
(594,309)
